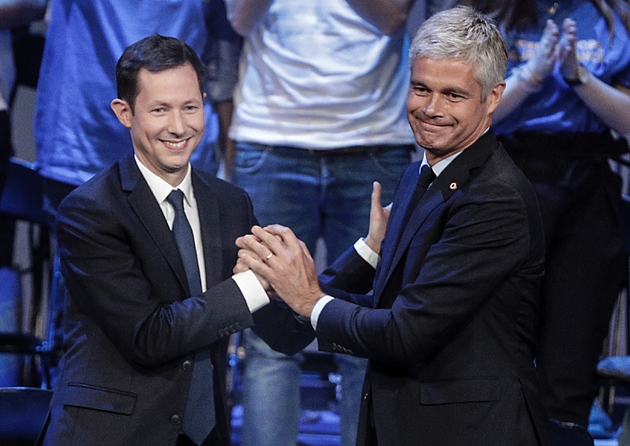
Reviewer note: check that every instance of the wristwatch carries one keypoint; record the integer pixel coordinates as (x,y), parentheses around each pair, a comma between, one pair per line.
(580,77)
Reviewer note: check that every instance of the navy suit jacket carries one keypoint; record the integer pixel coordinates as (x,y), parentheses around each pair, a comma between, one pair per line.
(450,327)
(131,332)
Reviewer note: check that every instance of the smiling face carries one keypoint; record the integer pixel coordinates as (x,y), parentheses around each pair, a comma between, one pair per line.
(445,108)
(167,121)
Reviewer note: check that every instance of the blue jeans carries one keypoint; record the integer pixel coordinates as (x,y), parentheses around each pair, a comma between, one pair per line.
(316,195)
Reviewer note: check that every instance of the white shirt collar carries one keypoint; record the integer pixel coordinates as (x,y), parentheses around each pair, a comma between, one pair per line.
(161,189)
(439,167)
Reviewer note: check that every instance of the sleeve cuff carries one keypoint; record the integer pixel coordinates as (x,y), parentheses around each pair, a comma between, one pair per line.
(366,253)
(317,309)
(253,292)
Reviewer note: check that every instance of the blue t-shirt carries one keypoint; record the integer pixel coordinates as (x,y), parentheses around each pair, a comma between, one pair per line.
(556,107)
(76,132)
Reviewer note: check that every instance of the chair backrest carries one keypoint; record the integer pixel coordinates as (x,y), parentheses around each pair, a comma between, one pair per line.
(22,193)
(625,219)
(23,412)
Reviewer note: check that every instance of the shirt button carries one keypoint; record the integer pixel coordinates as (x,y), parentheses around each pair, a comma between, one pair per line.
(175,420)
(186,365)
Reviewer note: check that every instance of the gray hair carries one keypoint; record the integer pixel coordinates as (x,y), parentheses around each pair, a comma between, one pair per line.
(467,35)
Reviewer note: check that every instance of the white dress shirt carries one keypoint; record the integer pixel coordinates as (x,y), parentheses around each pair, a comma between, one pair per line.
(253,292)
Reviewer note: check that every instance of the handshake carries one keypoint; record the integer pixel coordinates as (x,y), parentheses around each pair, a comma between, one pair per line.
(283,264)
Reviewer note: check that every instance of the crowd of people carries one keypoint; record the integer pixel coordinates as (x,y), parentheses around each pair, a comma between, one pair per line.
(457,174)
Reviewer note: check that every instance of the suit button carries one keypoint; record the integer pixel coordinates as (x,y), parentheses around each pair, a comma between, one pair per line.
(175,420)
(186,365)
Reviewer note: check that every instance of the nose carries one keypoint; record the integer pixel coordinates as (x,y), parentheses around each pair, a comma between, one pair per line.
(434,107)
(176,123)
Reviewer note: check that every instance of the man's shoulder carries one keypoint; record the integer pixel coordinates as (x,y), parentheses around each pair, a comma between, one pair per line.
(99,183)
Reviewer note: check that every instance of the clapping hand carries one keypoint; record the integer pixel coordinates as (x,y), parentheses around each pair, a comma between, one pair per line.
(567,54)
(541,65)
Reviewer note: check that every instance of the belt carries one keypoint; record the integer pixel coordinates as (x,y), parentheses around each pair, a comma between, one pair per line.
(358,150)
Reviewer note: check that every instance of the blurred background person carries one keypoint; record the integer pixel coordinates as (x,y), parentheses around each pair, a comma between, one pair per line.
(319,115)
(568,90)
(221,55)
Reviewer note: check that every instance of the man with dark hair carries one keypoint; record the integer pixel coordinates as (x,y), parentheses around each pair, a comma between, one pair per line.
(449,329)
(146,249)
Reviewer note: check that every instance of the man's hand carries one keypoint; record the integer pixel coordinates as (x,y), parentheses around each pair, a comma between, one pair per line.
(379,216)
(277,255)
(241,267)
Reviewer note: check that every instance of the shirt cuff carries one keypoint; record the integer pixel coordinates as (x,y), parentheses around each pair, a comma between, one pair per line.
(366,253)
(317,309)
(253,292)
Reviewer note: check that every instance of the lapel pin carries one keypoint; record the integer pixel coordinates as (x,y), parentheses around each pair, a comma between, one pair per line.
(453,186)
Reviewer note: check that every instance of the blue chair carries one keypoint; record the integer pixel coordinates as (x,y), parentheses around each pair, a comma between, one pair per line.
(23,412)
(21,200)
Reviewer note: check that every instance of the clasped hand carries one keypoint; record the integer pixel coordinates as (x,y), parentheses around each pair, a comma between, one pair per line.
(283,264)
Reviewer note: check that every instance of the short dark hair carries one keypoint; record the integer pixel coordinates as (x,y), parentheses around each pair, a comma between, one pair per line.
(153,53)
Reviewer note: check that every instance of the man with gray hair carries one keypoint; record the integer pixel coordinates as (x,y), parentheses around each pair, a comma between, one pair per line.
(455,270)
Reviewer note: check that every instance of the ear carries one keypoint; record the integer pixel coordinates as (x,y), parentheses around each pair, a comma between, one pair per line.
(495,96)
(123,112)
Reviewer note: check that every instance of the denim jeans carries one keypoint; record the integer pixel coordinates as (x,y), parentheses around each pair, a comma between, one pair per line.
(317,195)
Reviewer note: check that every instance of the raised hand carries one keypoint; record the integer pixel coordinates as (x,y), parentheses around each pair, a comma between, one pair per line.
(567,54)
(379,216)
(541,65)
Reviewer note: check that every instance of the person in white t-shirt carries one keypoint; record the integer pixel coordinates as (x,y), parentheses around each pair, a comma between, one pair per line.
(319,116)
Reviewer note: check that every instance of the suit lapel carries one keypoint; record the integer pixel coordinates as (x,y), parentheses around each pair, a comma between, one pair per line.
(402,200)
(448,183)
(209,219)
(143,202)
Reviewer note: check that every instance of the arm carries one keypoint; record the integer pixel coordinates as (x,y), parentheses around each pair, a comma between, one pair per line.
(19,12)
(350,272)
(529,77)
(609,103)
(454,278)
(386,15)
(221,56)
(455,267)
(226,145)
(120,280)
(245,14)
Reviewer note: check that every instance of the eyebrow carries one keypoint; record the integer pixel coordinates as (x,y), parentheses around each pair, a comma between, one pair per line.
(457,91)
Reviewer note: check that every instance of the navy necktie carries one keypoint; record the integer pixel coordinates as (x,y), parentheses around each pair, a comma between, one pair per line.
(424,180)
(199,415)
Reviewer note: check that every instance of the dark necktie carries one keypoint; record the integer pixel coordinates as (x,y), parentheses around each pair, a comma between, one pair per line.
(199,416)
(424,180)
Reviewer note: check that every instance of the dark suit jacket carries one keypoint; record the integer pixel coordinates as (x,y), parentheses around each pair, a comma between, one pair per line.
(130,331)
(450,328)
